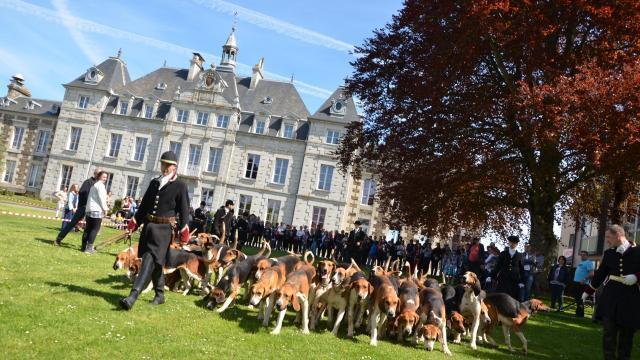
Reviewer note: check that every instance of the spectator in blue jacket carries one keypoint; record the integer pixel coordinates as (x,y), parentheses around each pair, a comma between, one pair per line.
(558,277)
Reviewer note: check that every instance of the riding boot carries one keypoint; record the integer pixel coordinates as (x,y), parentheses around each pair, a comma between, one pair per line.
(158,285)
(142,280)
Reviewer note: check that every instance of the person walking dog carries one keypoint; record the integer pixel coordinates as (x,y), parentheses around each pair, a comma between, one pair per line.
(83,195)
(96,209)
(164,212)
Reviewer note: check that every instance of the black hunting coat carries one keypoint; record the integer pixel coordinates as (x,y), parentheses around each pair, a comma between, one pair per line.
(170,201)
(509,272)
(618,302)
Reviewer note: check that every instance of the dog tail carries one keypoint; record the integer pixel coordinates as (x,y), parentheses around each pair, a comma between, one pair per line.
(265,246)
(306,254)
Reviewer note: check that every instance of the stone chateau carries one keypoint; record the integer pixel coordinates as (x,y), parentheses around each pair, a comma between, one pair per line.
(248,139)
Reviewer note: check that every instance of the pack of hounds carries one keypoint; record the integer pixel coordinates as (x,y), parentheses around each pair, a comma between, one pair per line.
(395,302)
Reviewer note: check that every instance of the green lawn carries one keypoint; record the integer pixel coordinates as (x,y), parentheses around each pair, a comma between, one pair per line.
(60,303)
(22,209)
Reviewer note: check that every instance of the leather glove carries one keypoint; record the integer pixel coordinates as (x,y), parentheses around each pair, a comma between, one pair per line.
(488,279)
(630,279)
(585,296)
(520,285)
(184,235)
(132,225)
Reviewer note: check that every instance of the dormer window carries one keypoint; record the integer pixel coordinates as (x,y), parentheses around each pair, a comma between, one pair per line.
(287,131)
(148,111)
(31,105)
(93,76)
(161,86)
(267,100)
(260,125)
(124,107)
(338,107)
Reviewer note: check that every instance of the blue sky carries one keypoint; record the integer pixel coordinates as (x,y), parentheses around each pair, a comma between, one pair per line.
(51,42)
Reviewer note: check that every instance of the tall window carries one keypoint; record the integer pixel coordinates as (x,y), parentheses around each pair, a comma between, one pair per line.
(215,154)
(176,147)
(223,121)
(182,116)
(194,154)
(280,172)
(9,169)
(148,111)
(317,220)
(114,148)
(18,134)
(43,141)
(203,118)
(245,203)
(132,186)
(124,106)
(253,162)
(83,102)
(207,196)
(65,178)
(141,147)
(260,127)
(74,138)
(288,131)
(273,211)
(34,171)
(333,137)
(109,181)
(326,173)
(368,192)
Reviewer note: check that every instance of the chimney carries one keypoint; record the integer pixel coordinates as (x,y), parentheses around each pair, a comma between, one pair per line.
(256,76)
(196,66)
(17,88)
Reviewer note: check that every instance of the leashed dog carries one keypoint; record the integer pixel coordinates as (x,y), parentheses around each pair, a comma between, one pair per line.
(383,305)
(295,291)
(433,319)
(511,314)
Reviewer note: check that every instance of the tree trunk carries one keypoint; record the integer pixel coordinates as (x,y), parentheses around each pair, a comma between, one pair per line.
(619,197)
(541,235)
(602,220)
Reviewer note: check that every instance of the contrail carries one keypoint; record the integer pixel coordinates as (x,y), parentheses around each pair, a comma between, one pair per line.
(77,36)
(281,27)
(87,26)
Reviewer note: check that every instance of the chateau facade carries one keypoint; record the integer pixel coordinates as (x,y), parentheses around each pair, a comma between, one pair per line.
(248,139)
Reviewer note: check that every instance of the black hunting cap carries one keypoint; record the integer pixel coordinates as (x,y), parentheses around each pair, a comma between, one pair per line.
(357,222)
(513,239)
(169,157)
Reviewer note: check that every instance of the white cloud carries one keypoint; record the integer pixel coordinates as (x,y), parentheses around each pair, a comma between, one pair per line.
(87,26)
(281,27)
(88,48)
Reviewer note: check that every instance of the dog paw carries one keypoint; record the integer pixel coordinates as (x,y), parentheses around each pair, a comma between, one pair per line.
(448,352)
(250,306)
(306,331)
(456,341)
(275,332)
(474,347)
(373,343)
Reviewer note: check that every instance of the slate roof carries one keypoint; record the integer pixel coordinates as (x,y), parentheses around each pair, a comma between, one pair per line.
(29,105)
(285,98)
(115,75)
(324,111)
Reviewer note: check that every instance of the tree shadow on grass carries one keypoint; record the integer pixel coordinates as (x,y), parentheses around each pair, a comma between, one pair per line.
(50,242)
(117,282)
(111,298)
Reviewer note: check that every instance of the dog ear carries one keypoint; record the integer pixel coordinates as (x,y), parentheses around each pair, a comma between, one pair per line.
(295,302)
(396,321)
(370,289)
(416,319)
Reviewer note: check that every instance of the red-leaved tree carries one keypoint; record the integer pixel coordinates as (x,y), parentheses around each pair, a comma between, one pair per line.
(487,114)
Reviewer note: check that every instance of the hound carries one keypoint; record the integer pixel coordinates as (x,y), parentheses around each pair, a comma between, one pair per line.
(470,305)
(432,323)
(383,305)
(512,314)
(406,322)
(263,292)
(295,291)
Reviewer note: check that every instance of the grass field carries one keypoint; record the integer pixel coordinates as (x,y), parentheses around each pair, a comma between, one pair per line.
(60,303)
